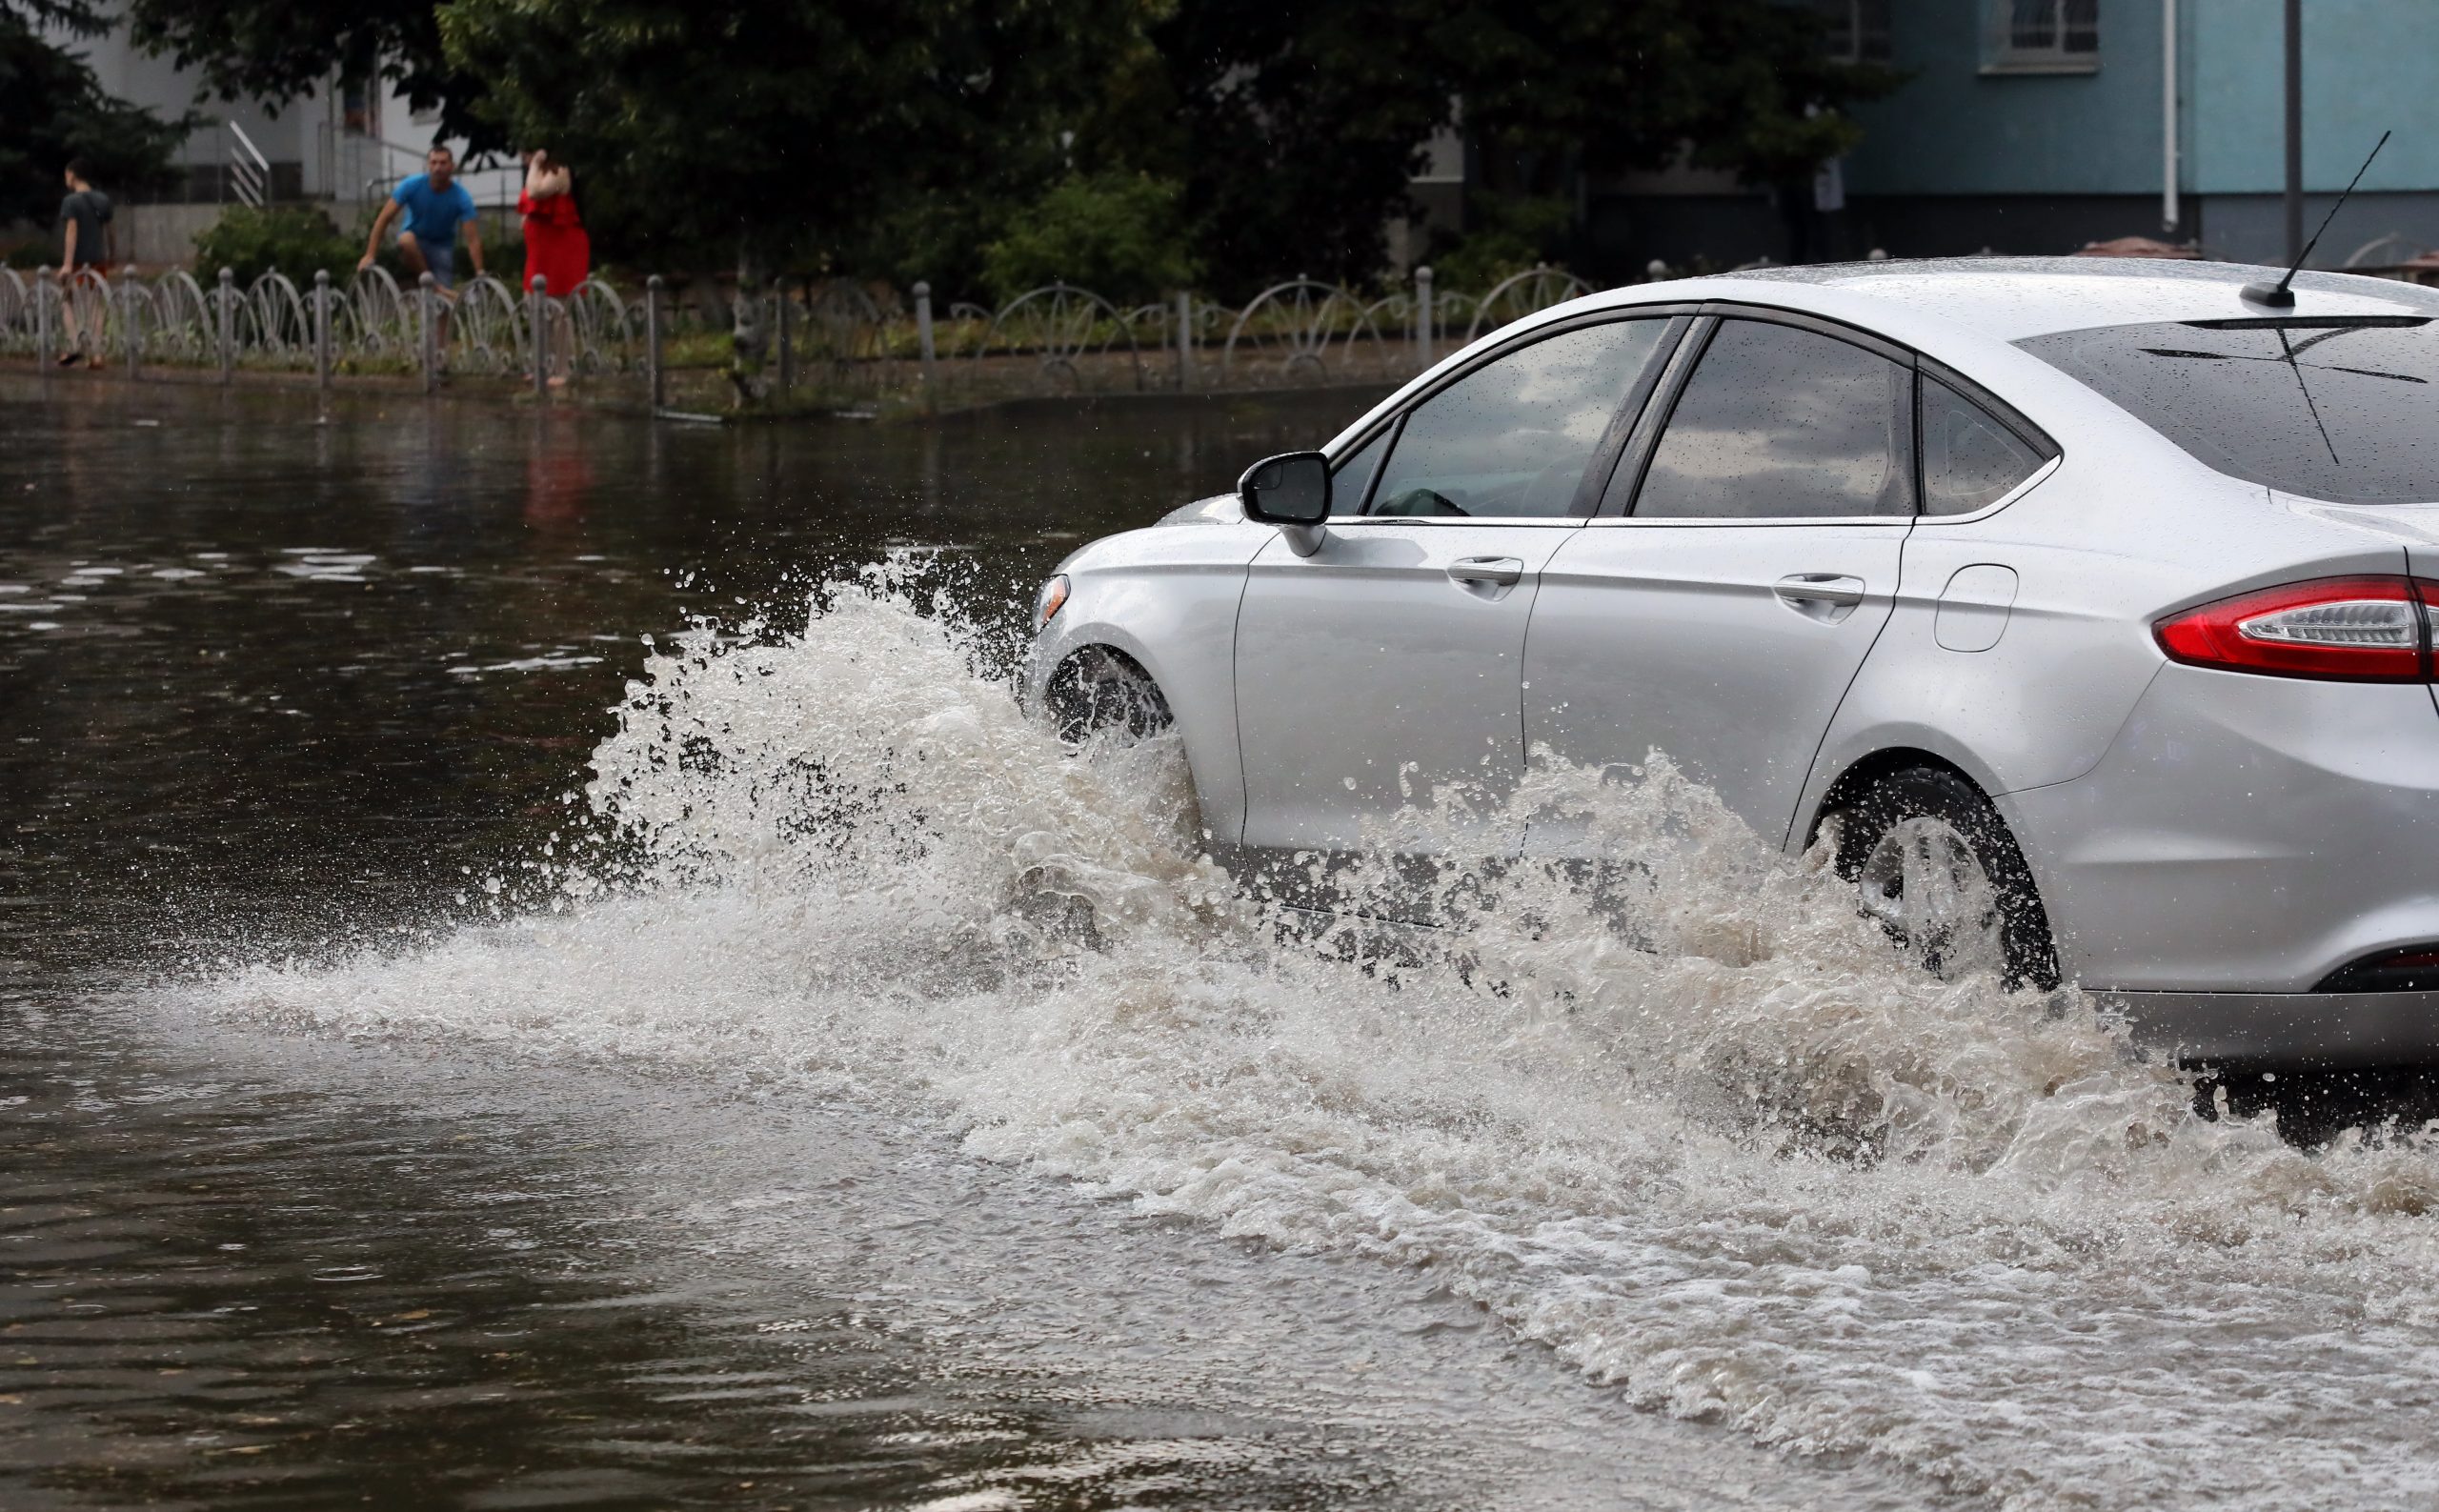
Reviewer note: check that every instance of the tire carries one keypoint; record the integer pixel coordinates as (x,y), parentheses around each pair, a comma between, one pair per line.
(1098,690)
(1934,864)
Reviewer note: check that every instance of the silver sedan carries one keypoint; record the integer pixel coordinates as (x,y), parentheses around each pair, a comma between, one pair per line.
(2092,601)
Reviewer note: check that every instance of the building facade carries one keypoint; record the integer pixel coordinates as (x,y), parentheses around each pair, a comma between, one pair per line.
(341,146)
(2039,126)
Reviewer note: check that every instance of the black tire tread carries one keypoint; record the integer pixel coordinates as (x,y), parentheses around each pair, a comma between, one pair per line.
(1936,793)
(1099,689)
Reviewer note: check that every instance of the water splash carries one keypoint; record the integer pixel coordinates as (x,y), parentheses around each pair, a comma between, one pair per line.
(1679,1114)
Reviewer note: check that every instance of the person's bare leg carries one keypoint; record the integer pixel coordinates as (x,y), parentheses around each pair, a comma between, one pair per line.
(411,253)
(563,344)
(69,323)
(88,343)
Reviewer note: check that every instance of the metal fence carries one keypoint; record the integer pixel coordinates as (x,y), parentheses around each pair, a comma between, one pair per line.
(820,339)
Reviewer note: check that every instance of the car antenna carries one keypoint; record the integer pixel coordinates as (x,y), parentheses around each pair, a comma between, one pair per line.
(2277,295)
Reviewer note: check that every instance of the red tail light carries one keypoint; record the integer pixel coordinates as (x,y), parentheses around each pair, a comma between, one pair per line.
(2351,629)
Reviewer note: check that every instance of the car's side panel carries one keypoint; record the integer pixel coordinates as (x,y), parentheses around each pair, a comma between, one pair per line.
(2039,703)
(1168,599)
(1372,678)
(2114,538)
(2243,833)
(1673,636)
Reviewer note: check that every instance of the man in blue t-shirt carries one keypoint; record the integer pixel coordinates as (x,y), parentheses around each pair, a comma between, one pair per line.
(435,206)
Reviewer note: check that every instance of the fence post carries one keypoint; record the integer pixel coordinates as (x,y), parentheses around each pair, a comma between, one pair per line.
(1422,316)
(227,334)
(787,347)
(651,340)
(129,338)
(923,340)
(1185,340)
(427,331)
(537,319)
(43,282)
(322,328)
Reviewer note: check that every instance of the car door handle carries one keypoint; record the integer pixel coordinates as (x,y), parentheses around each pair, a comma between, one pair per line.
(1834,589)
(1503,570)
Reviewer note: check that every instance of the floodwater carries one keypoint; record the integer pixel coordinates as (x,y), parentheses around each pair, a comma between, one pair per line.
(544,967)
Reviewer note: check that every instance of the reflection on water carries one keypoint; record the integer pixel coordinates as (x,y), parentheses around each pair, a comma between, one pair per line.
(272,680)
(256,664)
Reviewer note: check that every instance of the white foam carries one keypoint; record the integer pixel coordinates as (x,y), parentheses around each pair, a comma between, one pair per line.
(1696,1129)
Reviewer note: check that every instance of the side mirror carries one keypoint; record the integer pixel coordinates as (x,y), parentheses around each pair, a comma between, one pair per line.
(1291,491)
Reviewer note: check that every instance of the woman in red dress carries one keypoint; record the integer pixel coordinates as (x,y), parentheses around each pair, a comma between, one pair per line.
(556,248)
(555,245)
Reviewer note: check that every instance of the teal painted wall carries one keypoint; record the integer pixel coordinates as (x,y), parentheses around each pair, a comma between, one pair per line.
(2369,66)
(1952,129)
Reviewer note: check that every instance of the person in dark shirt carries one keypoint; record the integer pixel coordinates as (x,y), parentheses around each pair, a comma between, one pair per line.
(85,238)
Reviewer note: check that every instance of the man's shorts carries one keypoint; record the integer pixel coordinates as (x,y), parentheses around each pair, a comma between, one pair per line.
(441,260)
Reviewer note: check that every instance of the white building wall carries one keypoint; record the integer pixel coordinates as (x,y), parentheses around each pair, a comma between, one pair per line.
(309,141)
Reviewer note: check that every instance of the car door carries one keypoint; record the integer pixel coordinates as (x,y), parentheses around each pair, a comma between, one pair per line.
(1744,559)
(1381,673)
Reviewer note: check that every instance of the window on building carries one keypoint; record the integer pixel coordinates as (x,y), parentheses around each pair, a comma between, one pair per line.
(2043,36)
(1857,30)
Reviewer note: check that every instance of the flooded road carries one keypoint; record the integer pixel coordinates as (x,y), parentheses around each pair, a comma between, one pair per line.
(458,1053)
(278,689)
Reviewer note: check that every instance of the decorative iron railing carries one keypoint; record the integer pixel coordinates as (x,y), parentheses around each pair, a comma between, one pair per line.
(829,337)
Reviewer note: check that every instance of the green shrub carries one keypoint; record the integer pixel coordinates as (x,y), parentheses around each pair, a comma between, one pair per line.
(290,239)
(1121,235)
(1507,235)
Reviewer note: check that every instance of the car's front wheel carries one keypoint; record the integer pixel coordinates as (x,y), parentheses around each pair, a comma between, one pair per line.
(1934,864)
(1099,689)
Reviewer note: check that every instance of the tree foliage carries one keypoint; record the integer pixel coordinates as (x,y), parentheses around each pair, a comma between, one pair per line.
(277,50)
(1121,235)
(52,109)
(904,137)
(776,130)
(1296,123)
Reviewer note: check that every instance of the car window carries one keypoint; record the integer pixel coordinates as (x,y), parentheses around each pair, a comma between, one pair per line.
(1352,477)
(1511,438)
(1779,422)
(2338,408)
(1971,457)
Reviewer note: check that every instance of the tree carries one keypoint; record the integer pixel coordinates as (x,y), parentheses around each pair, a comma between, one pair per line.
(774,132)
(1299,122)
(277,50)
(52,109)
(1118,235)
(905,136)
(778,128)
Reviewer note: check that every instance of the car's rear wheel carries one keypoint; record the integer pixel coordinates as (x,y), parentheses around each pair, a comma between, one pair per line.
(1098,690)
(1933,863)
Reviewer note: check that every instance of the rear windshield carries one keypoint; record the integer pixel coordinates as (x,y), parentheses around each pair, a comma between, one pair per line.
(2342,409)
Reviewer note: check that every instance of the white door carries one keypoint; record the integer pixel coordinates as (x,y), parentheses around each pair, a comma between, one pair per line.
(1381,673)
(1721,614)
(1379,680)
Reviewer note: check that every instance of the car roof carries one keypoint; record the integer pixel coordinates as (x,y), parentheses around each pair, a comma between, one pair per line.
(2010,298)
